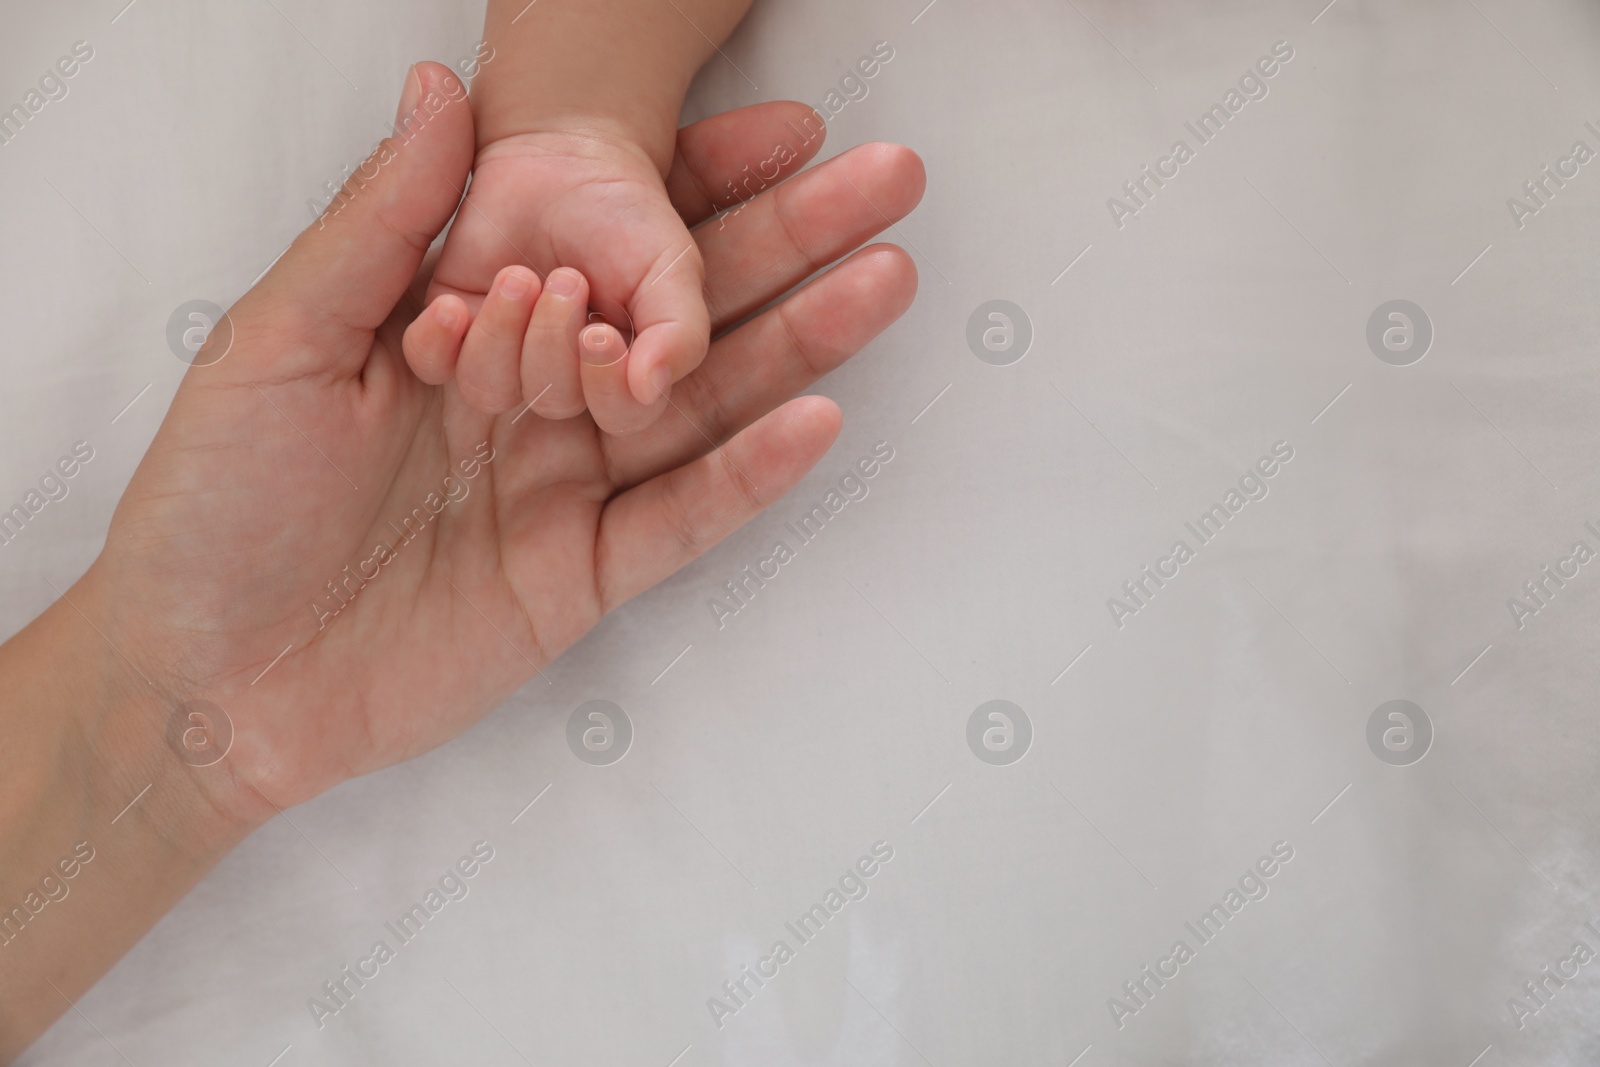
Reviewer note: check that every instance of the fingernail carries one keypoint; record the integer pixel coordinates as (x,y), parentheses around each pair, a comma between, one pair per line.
(516,285)
(659,380)
(562,282)
(409,95)
(449,316)
(596,344)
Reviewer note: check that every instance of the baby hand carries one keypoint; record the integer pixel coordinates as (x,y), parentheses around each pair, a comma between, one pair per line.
(531,346)
(591,212)
(355,564)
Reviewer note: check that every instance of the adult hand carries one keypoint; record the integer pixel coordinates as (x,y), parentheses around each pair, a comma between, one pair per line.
(404,561)
(355,565)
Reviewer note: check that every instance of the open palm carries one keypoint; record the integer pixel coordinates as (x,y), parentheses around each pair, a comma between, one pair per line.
(397,563)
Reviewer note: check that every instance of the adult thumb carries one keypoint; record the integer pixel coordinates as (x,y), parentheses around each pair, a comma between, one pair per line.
(352,266)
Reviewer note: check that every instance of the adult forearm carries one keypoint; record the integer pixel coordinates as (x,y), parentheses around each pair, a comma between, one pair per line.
(614,65)
(103,827)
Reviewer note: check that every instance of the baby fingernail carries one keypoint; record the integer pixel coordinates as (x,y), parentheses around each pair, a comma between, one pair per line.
(516,286)
(659,380)
(562,282)
(594,343)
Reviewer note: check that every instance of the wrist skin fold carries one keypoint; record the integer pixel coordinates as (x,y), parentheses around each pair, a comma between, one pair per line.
(91,772)
(608,68)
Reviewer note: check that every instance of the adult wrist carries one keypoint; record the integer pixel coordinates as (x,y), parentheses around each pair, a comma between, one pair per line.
(131,728)
(103,828)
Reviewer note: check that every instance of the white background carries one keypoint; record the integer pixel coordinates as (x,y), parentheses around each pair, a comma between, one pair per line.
(826,716)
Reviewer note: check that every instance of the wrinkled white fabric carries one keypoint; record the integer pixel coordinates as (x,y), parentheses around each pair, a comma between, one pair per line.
(1175,341)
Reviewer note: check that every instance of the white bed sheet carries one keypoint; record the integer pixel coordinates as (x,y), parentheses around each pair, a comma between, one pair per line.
(1168,355)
